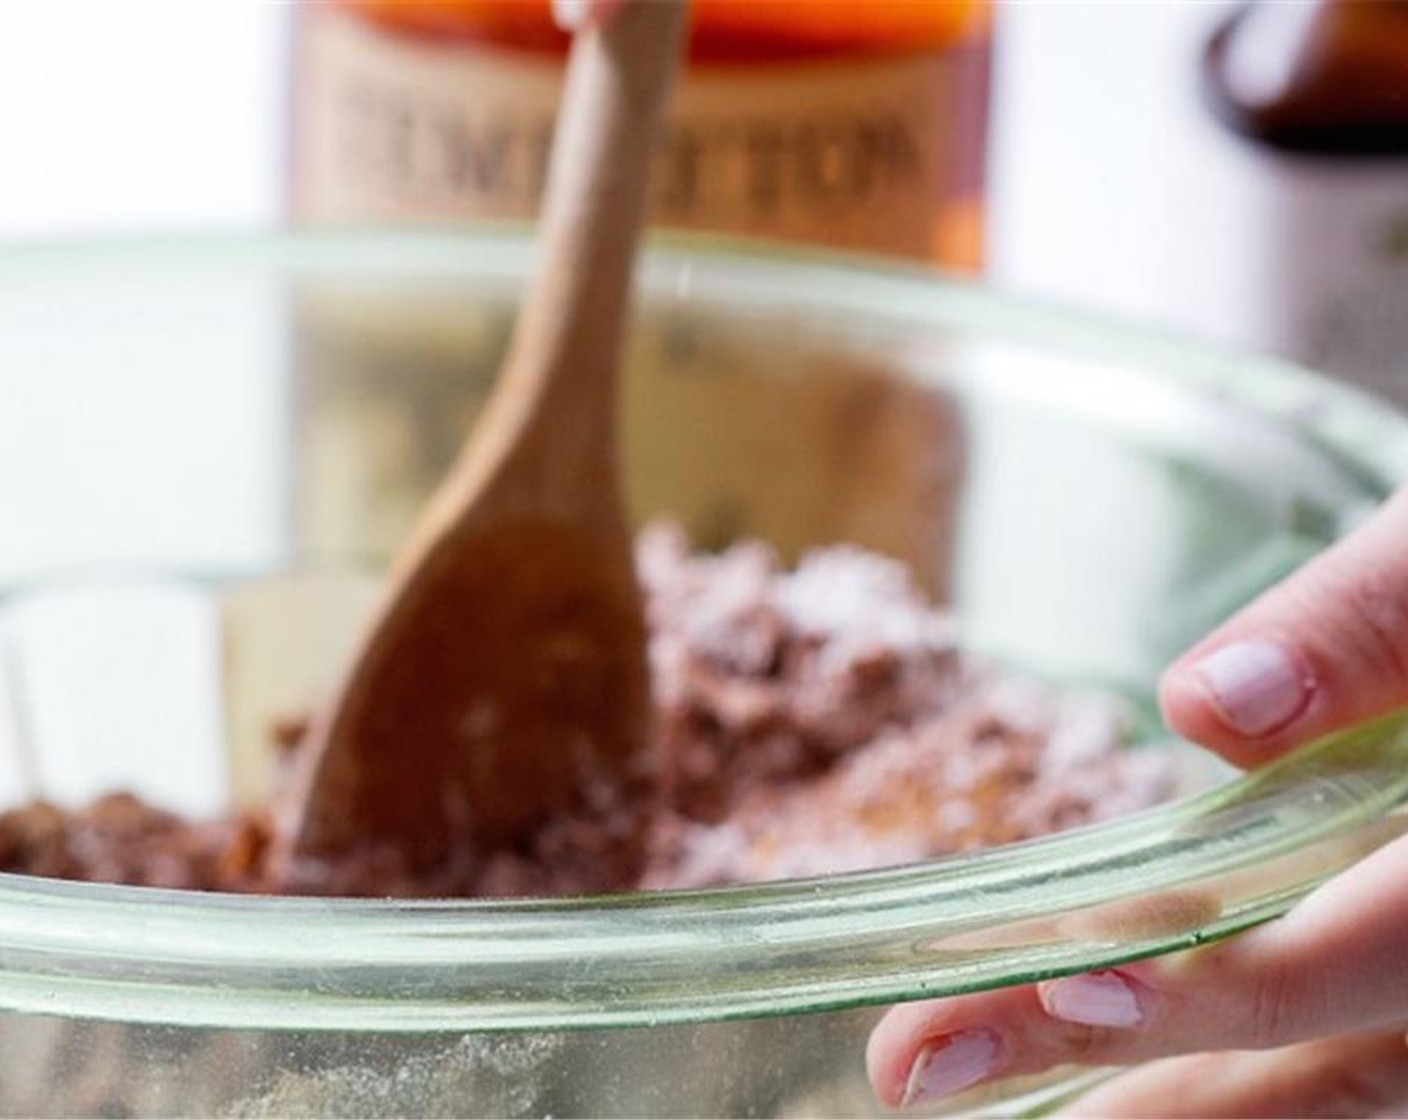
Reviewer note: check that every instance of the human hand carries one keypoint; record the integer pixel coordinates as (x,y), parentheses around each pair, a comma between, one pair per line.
(1304,1016)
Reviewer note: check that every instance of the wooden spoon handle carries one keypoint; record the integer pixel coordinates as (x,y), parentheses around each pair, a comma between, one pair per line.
(568,338)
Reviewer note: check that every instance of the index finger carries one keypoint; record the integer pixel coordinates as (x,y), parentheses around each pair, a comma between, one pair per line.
(1333,965)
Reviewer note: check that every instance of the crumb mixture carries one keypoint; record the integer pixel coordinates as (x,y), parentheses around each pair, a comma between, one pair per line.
(809,721)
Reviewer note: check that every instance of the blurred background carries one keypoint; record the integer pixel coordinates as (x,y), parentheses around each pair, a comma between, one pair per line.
(1109,180)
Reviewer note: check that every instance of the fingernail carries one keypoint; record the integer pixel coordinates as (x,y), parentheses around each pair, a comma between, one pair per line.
(952,1063)
(571,15)
(1095,999)
(1256,687)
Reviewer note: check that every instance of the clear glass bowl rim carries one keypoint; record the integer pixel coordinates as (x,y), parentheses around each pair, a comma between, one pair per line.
(139,954)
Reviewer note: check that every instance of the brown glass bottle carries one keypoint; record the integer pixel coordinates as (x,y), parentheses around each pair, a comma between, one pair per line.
(1320,89)
(1324,77)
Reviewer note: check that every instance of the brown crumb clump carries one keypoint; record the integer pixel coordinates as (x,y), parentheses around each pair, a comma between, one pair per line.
(824,720)
(120,839)
(809,722)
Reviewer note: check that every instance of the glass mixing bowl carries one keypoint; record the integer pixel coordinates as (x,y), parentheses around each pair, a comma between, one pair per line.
(208,447)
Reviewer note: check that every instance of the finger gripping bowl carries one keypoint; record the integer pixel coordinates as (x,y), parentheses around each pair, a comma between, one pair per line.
(268,413)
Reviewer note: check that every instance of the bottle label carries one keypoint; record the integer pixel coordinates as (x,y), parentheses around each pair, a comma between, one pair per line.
(883,155)
(1341,270)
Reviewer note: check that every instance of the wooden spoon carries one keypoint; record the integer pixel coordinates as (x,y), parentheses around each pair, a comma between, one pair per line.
(504,679)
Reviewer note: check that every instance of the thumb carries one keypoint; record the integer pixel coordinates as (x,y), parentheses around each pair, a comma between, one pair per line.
(1326,648)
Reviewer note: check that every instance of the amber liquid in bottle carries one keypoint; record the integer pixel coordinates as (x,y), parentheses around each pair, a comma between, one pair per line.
(1320,92)
(852,125)
(858,126)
